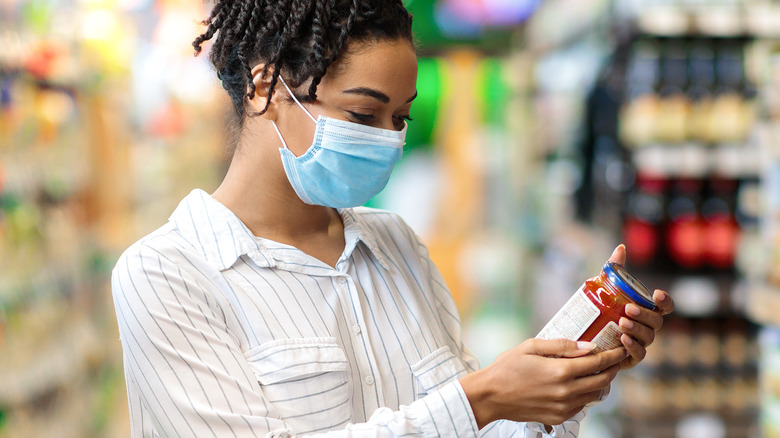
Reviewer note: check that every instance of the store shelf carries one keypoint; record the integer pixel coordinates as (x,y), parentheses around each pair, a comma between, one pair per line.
(716,20)
(672,145)
(691,160)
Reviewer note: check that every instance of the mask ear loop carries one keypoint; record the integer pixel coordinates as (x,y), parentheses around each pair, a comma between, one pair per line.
(279,133)
(296,100)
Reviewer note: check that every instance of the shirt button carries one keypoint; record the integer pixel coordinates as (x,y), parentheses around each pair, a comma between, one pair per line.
(356,329)
(342,280)
(369,380)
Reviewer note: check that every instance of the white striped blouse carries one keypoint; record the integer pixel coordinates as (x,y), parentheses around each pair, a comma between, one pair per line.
(226,334)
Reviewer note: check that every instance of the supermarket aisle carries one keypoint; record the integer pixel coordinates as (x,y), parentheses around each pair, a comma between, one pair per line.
(542,136)
(95,145)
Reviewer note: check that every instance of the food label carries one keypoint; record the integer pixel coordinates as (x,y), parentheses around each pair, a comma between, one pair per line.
(572,320)
(608,338)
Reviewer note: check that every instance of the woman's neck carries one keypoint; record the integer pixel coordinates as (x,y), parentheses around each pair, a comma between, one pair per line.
(256,189)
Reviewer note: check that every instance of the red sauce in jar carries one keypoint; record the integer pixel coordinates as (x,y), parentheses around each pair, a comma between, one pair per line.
(593,312)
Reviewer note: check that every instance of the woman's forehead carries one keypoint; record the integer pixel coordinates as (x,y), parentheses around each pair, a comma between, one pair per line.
(389,66)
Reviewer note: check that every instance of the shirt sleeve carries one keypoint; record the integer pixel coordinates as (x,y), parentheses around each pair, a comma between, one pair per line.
(503,428)
(452,325)
(192,378)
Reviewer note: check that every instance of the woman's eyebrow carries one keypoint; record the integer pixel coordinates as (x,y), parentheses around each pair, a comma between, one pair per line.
(376,94)
(370,92)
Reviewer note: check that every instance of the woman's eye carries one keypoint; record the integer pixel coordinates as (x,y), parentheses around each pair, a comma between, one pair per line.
(363,118)
(398,121)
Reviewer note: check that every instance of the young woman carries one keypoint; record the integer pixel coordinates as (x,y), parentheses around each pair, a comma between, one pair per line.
(273,307)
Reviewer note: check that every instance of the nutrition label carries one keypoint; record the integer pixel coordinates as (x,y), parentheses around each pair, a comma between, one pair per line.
(608,338)
(572,320)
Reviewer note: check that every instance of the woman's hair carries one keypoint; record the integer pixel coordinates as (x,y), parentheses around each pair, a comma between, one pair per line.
(296,38)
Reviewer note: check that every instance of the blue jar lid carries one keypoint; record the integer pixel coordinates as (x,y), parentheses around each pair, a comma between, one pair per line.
(629,284)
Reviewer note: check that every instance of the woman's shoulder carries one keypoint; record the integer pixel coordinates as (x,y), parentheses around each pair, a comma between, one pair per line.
(188,237)
(164,246)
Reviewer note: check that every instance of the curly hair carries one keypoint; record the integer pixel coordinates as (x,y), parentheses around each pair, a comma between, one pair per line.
(300,38)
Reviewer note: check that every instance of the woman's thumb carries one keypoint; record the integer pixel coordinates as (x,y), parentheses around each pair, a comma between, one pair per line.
(618,255)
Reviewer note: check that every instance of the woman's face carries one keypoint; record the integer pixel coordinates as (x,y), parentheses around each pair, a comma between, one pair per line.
(373,84)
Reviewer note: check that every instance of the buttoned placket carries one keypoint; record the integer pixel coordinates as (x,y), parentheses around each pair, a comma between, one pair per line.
(342,275)
(368,369)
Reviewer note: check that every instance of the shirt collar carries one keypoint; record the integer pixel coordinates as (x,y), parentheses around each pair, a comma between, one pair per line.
(357,229)
(217,232)
(222,238)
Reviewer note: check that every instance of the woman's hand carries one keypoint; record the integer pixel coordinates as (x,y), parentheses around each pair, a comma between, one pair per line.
(639,329)
(547,381)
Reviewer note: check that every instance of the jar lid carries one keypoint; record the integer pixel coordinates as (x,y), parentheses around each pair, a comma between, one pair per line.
(631,285)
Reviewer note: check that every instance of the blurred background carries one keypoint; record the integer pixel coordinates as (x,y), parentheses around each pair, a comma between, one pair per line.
(544,134)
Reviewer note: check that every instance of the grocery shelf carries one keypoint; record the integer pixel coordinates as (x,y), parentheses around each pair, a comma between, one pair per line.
(715,20)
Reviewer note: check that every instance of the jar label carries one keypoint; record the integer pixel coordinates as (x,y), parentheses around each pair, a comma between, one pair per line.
(608,338)
(572,320)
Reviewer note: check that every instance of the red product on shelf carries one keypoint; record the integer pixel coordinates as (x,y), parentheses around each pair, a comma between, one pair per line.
(722,234)
(642,237)
(640,227)
(41,61)
(721,228)
(594,311)
(685,237)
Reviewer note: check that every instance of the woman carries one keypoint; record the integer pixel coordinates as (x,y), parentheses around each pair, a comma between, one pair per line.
(274,308)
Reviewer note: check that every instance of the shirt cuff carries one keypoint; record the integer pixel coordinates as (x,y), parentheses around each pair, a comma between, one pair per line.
(446,412)
(537,428)
(602,397)
(558,430)
(569,427)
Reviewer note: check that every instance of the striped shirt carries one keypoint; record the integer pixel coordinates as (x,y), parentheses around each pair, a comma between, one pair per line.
(226,334)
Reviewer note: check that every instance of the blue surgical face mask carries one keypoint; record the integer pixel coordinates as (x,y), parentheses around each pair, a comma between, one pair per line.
(347,163)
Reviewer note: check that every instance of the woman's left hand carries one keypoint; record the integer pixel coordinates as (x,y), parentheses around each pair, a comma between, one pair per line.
(639,329)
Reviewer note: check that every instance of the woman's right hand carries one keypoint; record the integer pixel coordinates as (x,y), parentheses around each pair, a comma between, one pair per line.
(547,381)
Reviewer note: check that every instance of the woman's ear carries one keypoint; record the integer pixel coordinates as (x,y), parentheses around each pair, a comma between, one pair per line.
(262,86)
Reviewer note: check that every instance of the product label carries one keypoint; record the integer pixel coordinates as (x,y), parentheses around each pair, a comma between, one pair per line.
(608,338)
(572,320)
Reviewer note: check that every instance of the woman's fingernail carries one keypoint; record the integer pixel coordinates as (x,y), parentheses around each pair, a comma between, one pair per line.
(626,323)
(584,345)
(628,341)
(661,295)
(632,310)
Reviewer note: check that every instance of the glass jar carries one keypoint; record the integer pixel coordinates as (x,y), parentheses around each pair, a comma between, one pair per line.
(593,312)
